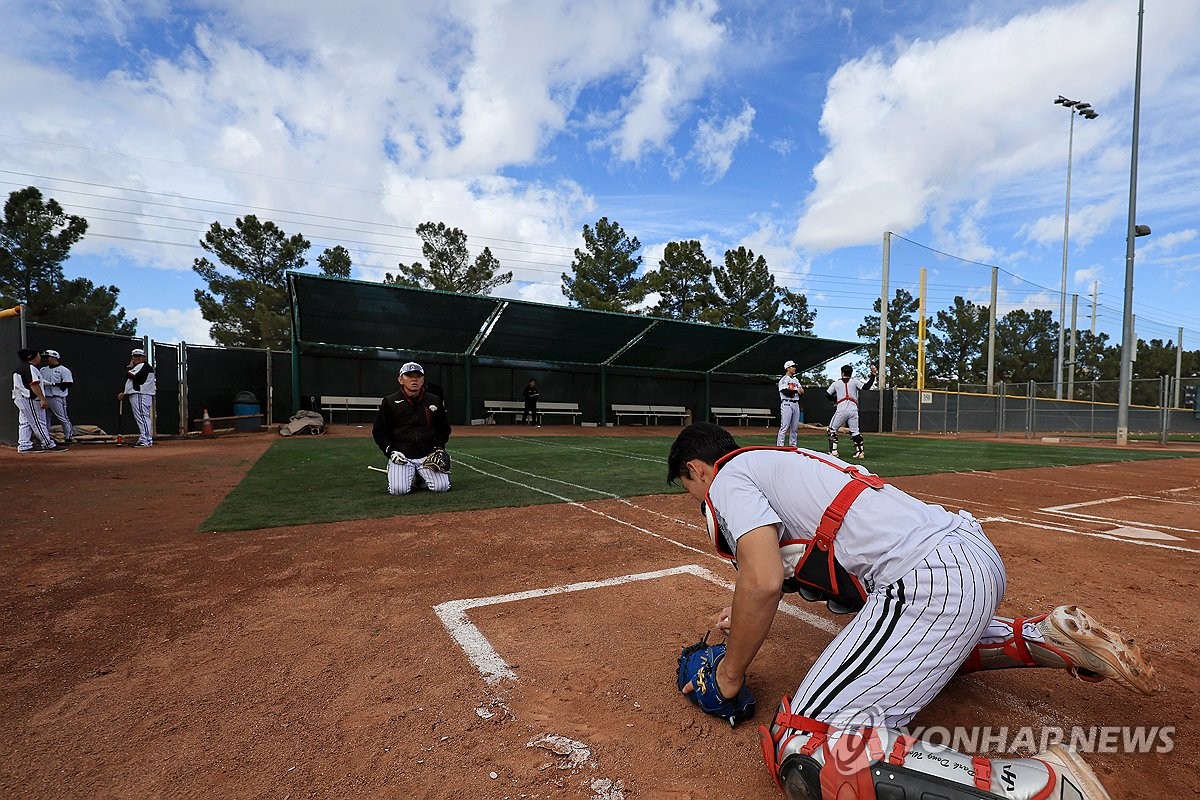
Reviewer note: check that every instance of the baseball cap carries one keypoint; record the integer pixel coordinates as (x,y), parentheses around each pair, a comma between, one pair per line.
(137,351)
(787,364)
(26,355)
(411,366)
(51,354)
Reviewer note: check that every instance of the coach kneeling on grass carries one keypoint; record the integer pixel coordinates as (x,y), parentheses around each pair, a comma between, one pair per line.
(412,429)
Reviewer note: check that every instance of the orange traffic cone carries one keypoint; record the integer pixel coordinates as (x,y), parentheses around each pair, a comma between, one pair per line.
(206,428)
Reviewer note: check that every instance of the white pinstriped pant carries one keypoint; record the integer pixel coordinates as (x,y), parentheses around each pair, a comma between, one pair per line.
(31,424)
(140,404)
(909,639)
(789,421)
(58,410)
(401,477)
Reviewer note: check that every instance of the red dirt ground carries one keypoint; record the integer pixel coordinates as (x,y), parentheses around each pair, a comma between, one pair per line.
(144,659)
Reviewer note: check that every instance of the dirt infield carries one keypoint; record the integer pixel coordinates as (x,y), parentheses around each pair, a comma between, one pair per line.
(468,656)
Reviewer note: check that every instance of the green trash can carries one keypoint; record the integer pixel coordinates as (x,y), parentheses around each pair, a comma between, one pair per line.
(244,404)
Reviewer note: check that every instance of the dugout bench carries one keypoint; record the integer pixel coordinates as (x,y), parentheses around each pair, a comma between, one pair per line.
(742,415)
(517,408)
(332,403)
(650,413)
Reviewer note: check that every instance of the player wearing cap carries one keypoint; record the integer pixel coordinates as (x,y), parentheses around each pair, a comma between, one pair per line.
(789,404)
(412,429)
(31,405)
(56,384)
(139,391)
(844,391)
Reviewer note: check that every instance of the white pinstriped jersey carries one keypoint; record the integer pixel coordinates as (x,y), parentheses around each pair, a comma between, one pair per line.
(147,386)
(53,377)
(20,388)
(885,533)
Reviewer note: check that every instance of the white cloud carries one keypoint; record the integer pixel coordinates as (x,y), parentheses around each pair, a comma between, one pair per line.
(173,324)
(716,139)
(937,124)
(690,39)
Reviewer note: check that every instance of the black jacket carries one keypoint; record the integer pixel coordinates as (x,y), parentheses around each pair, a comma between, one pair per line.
(414,427)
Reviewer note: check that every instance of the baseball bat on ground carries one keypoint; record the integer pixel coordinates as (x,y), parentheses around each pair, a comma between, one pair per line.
(120,420)
(377,469)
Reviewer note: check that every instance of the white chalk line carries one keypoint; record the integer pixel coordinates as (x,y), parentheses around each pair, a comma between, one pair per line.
(603,451)
(1015,516)
(600,492)
(493,668)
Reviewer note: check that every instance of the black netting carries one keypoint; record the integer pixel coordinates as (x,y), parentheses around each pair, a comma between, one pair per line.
(10,343)
(217,375)
(165,360)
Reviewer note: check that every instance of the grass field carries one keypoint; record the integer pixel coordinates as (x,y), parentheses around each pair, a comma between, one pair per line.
(306,479)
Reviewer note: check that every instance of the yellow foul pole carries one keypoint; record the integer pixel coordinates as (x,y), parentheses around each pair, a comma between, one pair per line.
(921,336)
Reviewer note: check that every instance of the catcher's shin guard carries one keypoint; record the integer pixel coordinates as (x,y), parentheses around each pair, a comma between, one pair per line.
(809,760)
(833,440)
(1067,638)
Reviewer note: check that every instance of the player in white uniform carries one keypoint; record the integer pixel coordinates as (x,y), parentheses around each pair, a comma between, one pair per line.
(139,391)
(28,397)
(56,384)
(844,391)
(789,404)
(926,582)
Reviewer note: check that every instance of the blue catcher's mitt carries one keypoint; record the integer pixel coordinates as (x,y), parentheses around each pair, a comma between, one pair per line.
(698,666)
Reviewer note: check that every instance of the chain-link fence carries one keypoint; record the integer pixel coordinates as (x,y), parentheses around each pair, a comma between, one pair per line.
(1033,410)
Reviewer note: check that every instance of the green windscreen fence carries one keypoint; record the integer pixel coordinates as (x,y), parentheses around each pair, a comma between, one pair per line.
(350,337)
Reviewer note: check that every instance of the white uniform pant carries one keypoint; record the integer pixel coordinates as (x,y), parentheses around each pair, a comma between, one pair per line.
(789,421)
(845,414)
(140,405)
(31,424)
(402,476)
(58,410)
(909,639)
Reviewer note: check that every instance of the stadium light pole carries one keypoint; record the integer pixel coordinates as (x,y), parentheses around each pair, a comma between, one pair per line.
(1128,344)
(1086,111)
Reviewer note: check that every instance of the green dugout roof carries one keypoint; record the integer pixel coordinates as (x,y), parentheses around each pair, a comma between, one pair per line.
(341,313)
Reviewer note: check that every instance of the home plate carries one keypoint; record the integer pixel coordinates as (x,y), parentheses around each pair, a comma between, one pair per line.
(1142,533)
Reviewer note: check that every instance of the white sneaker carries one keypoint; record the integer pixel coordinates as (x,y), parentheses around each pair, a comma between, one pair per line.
(1074,778)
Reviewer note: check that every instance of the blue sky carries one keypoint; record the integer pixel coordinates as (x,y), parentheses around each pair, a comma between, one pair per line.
(800,130)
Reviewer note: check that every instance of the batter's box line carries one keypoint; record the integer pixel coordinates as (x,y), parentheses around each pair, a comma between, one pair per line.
(493,668)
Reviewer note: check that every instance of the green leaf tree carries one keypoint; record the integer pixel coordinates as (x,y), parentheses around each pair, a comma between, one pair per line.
(684,282)
(958,344)
(450,266)
(746,292)
(250,307)
(36,237)
(794,315)
(901,335)
(1026,346)
(335,262)
(604,273)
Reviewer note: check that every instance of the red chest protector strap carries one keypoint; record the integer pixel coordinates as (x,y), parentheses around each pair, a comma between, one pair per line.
(821,575)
